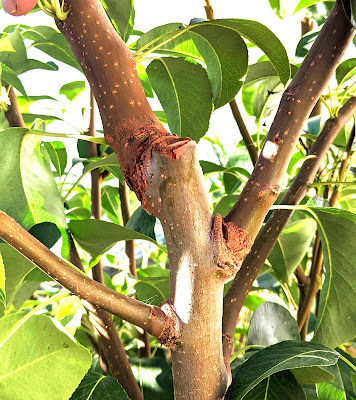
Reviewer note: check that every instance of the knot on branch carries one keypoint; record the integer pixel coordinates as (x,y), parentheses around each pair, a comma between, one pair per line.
(138,154)
(168,337)
(232,245)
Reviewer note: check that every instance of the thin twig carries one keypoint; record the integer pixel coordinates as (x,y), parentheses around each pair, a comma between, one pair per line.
(108,340)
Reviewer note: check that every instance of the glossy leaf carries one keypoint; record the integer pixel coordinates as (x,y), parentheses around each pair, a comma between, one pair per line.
(34,196)
(341,385)
(122,15)
(96,237)
(37,351)
(145,82)
(336,321)
(108,163)
(184,90)
(58,155)
(152,286)
(155,376)
(291,247)
(271,323)
(279,386)
(72,89)
(95,386)
(110,201)
(275,358)
(142,222)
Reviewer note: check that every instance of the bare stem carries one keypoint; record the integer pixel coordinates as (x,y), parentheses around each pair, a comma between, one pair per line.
(268,236)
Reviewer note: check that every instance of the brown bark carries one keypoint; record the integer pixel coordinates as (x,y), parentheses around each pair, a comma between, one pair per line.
(268,235)
(298,100)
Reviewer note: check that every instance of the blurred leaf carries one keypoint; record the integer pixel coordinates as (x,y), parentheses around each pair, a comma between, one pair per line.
(58,154)
(96,237)
(336,320)
(304,4)
(142,222)
(279,7)
(184,91)
(29,119)
(72,89)
(79,213)
(225,204)
(345,71)
(122,15)
(291,247)
(2,281)
(110,201)
(95,386)
(271,323)
(275,358)
(108,163)
(34,196)
(279,386)
(47,350)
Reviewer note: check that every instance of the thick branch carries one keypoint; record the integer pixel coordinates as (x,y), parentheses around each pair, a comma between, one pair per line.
(268,235)
(147,317)
(13,114)
(298,100)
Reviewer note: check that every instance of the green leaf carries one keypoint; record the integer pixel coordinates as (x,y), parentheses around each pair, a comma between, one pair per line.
(110,201)
(53,43)
(271,323)
(341,386)
(29,119)
(304,4)
(108,163)
(8,77)
(184,91)
(345,71)
(275,358)
(95,386)
(2,281)
(96,237)
(47,351)
(279,7)
(34,196)
(142,222)
(225,204)
(122,15)
(291,247)
(152,286)
(72,89)
(13,52)
(145,82)
(279,386)
(16,267)
(79,213)
(154,376)
(336,320)
(58,154)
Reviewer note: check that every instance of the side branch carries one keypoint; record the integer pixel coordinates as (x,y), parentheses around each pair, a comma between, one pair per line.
(268,235)
(150,318)
(297,102)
